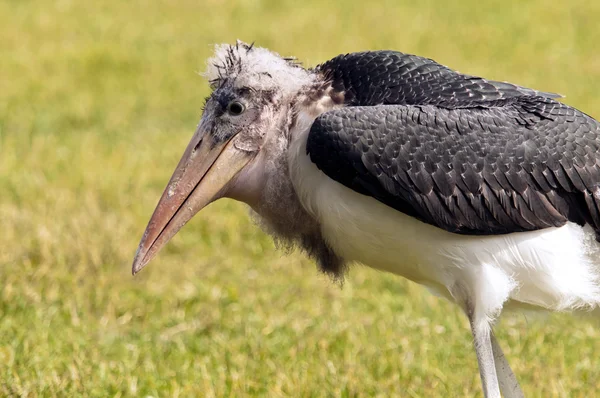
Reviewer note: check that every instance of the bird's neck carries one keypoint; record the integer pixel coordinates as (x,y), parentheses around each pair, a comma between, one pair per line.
(279,212)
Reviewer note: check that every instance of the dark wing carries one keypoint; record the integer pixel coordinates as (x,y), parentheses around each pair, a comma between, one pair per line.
(528,165)
(391,77)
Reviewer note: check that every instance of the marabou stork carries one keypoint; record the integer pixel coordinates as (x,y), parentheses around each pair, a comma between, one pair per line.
(485,192)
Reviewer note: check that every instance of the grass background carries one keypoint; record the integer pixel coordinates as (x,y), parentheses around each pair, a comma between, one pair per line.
(97,102)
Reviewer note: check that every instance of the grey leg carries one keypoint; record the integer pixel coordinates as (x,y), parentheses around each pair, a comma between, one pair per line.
(508,381)
(485,356)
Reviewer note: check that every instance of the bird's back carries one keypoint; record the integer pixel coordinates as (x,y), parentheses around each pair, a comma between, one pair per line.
(390,77)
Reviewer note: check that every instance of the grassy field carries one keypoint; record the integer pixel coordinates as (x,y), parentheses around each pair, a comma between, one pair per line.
(97,102)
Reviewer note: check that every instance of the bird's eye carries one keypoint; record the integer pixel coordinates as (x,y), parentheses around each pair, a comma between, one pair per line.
(235,108)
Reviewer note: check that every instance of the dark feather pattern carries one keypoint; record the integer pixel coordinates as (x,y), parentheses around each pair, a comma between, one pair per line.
(528,164)
(391,77)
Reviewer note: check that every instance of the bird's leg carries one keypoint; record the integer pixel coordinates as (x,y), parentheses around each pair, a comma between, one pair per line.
(508,381)
(485,355)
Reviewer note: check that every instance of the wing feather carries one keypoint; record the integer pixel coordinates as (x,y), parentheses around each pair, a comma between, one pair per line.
(529,165)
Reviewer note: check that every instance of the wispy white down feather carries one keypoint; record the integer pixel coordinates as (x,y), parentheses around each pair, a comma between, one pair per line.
(256,67)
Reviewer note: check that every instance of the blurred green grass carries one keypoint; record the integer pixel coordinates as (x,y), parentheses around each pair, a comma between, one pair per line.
(97,102)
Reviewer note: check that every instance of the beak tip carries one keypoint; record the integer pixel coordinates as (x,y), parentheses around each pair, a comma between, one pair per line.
(135,269)
(139,261)
(137,266)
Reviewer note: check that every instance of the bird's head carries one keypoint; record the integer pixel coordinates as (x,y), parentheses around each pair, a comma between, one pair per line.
(244,125)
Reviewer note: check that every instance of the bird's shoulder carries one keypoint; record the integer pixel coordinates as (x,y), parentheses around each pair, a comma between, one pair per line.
(391,77)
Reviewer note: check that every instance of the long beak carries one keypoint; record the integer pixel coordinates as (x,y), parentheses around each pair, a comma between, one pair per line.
(199,179)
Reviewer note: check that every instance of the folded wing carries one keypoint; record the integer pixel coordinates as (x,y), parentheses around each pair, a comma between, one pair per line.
(528,164)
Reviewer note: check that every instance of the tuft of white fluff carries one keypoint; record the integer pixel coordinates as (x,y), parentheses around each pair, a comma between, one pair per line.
(245,65)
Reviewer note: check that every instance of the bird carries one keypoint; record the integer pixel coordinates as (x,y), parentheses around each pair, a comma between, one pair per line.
(485,192)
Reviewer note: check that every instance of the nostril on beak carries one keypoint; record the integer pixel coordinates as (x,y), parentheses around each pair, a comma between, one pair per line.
(197,145)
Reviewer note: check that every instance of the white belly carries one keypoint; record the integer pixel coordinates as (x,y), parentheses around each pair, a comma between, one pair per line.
(554,268)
